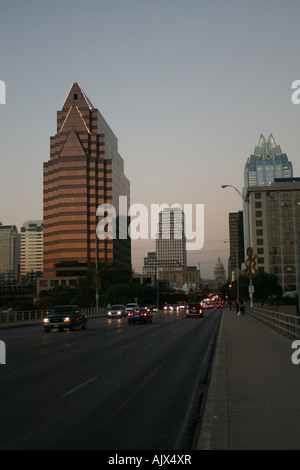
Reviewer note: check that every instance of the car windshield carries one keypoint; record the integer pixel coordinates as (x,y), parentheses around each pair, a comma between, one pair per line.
(116,307)
(64,309)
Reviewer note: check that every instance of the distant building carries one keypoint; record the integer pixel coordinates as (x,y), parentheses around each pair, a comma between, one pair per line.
(188,278)
(84,171)
(236,241)
(32,249)
(150,263)
(171,242)
(9,253)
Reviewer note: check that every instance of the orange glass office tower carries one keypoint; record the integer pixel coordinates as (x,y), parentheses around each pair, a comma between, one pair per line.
(85,170)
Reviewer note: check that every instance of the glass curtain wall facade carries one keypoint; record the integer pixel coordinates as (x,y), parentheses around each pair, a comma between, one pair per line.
(266,164)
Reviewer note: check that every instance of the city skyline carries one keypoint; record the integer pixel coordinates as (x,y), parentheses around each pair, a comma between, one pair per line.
(188,89)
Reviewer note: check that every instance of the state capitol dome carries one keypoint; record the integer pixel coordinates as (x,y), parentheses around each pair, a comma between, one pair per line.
(219,271)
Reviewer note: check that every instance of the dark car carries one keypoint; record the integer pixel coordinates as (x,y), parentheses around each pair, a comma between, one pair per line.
(65,316)
(194,310)
(140,315)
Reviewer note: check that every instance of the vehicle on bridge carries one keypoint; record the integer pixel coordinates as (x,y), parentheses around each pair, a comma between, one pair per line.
(140,315)
(117,311)
(130,307)
(65,316)
(194,310)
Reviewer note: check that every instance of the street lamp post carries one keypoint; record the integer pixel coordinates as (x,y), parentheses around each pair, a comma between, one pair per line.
(249,235)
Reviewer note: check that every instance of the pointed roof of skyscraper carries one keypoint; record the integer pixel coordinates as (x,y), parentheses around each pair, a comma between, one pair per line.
(76,94)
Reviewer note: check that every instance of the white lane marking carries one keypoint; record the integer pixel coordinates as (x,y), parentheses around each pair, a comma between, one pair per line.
(80,386)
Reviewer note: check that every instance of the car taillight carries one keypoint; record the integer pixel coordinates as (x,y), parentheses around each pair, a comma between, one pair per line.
(187,310)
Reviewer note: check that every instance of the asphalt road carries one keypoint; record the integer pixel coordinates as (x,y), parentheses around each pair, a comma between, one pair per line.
(112,386)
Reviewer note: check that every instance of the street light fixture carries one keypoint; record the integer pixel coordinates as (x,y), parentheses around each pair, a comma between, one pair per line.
(239,192)
(247,202)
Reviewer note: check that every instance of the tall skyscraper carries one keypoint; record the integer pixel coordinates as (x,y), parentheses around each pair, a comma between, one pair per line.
(171,242)
(85,170)
(32,248)
(236,240)
(266,164)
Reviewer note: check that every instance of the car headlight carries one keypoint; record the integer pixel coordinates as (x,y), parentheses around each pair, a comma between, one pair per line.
(46,320)
(66,319)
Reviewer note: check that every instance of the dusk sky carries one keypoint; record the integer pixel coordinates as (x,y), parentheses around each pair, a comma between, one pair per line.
(187,87)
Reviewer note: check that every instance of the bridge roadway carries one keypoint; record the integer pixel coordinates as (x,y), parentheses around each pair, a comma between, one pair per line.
(111,386)
(253,401)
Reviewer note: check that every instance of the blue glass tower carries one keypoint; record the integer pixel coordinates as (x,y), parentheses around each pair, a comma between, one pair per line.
(266,164)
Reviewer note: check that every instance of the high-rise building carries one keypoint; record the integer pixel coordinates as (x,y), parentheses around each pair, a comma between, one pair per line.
(170,241)
(32,249)
(236,240)
(267,163)
(274,217)
(84,171)
(9,253)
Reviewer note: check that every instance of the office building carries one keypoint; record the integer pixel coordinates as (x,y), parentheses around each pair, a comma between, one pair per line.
(170,241)
(150,263)
(9,253)
(274,216)
(32,249)
(186,279)
(85,170)
(266,164)
(236,241)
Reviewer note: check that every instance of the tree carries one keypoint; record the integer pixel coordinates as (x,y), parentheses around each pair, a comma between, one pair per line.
(265,286)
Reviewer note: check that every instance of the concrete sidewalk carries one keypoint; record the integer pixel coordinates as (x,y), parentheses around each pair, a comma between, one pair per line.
(254,395)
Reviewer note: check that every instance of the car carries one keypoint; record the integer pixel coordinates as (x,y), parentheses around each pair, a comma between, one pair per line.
(151,308)
(117,311)
(131,307)
(140,315)
(65,316)
(168,308)
(194,310)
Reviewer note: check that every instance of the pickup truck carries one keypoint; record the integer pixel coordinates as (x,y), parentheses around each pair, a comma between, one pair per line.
(65,316)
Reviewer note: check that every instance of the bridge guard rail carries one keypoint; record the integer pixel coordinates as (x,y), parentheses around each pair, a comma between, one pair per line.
(288,325)
(23,316)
